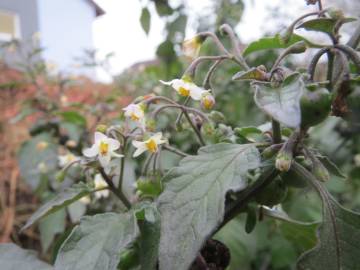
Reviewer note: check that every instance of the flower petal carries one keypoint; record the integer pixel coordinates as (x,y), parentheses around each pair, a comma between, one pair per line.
(104,160)
(167,83)
(113,144)
(197,92)
(91,152)
(99,136)
(140,150)
(137,144)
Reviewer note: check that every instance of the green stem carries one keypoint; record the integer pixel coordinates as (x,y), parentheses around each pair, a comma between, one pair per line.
(276,129)
(116,191)
(330,69)
(197,131)
(174,150)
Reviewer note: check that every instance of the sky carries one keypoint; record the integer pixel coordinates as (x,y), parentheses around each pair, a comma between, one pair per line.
(119,30)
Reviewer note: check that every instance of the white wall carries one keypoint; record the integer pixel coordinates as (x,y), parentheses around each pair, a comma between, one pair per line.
(66,30)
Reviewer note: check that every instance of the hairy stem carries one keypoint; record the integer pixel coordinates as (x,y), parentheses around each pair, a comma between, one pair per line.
(276,129)
(116,191)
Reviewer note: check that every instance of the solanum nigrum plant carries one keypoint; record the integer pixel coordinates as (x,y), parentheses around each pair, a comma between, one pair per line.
(170,222)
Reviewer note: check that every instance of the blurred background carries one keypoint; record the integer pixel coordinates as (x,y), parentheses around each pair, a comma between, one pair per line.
(68,65)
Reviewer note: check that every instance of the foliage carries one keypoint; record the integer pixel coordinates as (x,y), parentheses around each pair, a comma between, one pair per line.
(204,174)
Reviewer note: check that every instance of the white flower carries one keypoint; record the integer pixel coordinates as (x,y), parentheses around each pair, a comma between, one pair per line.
(186,88)
(191,47)
(103,148)
(100,183)
(150,145)
(207,101)
(134,111)
(65,160)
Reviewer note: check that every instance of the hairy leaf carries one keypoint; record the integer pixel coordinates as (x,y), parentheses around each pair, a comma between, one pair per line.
(61,200)
(145,20)
(97,242)
(274,42)
(325,25)
(50,226)
(338,244)
(13,257)
(282,103)
(192,204)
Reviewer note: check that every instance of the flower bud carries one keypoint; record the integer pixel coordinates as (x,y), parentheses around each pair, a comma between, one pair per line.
(101,128)
(207,101)
(283,160)
(71,144)
(60,176)
(191,47)
(335,13)
(217,117)
(270,151)
(319,170)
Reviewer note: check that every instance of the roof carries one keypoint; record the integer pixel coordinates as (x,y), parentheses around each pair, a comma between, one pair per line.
(98,10)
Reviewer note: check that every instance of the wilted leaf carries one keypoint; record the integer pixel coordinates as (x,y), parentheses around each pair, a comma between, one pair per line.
(282,103)
(61,200)
(13,257)
(145,20)
(325,25)
(192,204)
(274,43)
(96,243)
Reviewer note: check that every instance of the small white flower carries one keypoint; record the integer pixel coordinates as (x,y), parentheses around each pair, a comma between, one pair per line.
(186,88)
(104,148)
(150,145)
(191,47)
(100,183)
(134,111)
(65,160)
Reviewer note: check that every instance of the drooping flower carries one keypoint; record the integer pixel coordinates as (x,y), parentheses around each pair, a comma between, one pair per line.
(100,183)
(66,159)
(103,148)
(150,144)
(207,101)
(134,111)
(186,88)
(191,47)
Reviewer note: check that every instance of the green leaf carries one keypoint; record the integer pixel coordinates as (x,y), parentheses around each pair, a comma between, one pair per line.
(13,257)
(339,240)
(33,159)
(150,238)
(331,166)
(97,241)
(163,8)
(282,103)
(50,226)
(73,131)
(61,200)
(325,25)
(192,203)
(73,117)
(145,20)
(338,244)
(251,74)
(274,42)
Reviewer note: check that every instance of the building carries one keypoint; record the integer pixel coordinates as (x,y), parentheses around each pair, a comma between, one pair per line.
(65,26)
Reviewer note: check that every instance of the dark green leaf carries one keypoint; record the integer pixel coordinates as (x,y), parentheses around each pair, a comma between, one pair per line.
(251,218)
(331,167)
(325,25)
(37,156)
(73,117)
(61,200)
(96,243)
(50,226)
(274,43)
(145,20)
(13,257)
(282,103)
(192,204)
(163,8)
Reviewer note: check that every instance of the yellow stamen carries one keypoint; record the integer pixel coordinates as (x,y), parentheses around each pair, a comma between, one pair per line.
(208,104)
(151,145)
(104,147)
(184,92)
(134,117)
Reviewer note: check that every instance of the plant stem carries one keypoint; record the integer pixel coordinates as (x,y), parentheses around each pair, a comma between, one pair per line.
(116,191)
(235,207)
(276,129)
(314,61)
(206,82)
(190,71)
(355,38)
(330,69)
(351,53)
(174,150)
(197,131)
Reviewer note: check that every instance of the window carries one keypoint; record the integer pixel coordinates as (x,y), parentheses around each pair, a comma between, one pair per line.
(9,25)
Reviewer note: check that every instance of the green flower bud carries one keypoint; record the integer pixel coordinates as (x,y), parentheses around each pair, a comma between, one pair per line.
(60,176)
(319,171)
(217,117)
(101,128)
(283,160)
(270,151)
